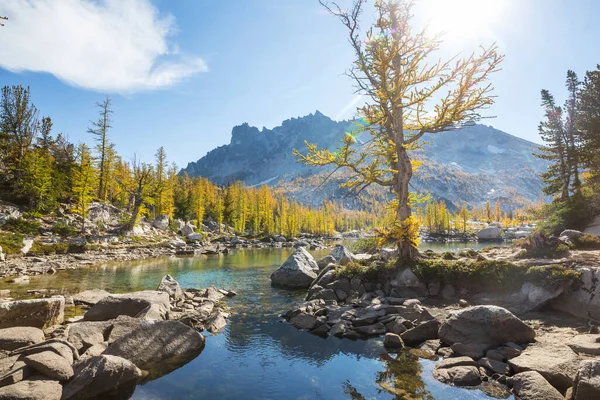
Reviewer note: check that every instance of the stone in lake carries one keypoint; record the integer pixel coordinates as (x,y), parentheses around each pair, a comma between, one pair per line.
(130,304)
(420,333)
(531,385)
(159,347)
(484,327)
(103,376)
(39,313)
(21,336)
(169,285)
(297,272)
(491,233)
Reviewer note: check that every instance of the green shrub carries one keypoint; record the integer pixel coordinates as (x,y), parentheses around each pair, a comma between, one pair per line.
(366,245)
(64,230)
(39,248)
(538,245)
(448,256)
(373,272)
(551,276)
(22,226)
(587,242)
(11,243)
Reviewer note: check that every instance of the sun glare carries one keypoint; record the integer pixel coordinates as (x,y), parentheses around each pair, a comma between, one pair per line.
(463,19)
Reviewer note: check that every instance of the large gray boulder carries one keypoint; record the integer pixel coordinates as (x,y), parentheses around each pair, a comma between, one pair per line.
(169,285)
(21,336)
(584,299)
(571,233)
(86,334)
(586,385)
(33,388)
(297,272)
(161,222)
(531,385)
(102,376)
(532,297)
(484,327)
(342,255)
(90,297)
(188,229)
(491,233)
(50,364)
(39,313)
(57,346)
(158,346)
(130,304)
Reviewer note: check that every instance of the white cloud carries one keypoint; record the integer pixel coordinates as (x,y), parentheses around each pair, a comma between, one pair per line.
(105,45)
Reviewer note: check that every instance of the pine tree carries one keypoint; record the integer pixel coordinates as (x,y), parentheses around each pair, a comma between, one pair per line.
(100,130)
(84,182)
(498,211)
(589,125)
(463,214)
(571,132)
(139,191)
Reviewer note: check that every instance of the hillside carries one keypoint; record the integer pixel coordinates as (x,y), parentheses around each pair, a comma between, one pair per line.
(474,164)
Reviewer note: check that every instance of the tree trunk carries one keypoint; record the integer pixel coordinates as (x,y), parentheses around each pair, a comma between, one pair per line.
(406,251)
(137,204)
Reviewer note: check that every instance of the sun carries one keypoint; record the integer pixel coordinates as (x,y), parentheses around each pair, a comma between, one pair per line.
(463,19)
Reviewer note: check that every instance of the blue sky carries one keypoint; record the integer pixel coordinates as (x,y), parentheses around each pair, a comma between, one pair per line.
(192,69)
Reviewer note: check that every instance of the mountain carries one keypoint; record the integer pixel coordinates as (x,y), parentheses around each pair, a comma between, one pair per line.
(474,164)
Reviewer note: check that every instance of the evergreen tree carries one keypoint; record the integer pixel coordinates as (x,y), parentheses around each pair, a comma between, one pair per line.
(84,182)
(100,130)
(589,125)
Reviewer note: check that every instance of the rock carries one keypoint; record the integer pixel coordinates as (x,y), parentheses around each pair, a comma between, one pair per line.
(586,385)
(50,364)
(188,229)
(39,313)
(420,333)
(557,364)
(342,255)
(459,376)
(14,338)
(103,376)
(103,213)
(122,326)
(297,272)
(90,297)
(27,244)
(393,341)
(430,346)
(584,344)
(484,326)
(33,388)
(532,297)
(469,350)
(584,300)
(177,242)
(304,321)
(371,330)
(20,280)
(340,329)
(300,243)
(433,288)
(496,366)
(17,374)
(216,322)
(95,350)
(531,385)
(491,233)
(571,233)
(158,346)
(407,284)
(456,362)
(463,303)
(195,237)
(161,222)
(325,261)
(57,346)
(169,285)
(87,333)
(495,355)
(508,352)
(280,239)
(130,304)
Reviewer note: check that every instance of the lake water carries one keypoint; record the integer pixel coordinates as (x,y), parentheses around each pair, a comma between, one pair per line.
(257,356)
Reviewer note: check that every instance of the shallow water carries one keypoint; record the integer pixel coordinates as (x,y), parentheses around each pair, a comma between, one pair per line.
(257,356)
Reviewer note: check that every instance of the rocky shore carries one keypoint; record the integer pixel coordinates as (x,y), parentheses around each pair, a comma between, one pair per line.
(121,340)
(540,354)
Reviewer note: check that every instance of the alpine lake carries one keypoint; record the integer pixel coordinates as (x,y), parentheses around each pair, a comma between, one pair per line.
(257,356)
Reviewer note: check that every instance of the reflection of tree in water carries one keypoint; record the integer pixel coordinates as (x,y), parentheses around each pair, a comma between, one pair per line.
(401,378)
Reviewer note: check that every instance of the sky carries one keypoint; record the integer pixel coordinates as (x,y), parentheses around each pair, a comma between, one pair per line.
(182,73)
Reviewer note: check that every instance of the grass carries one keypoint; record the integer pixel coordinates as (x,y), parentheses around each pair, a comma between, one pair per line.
(39,248)
(366,245)
(22,226)
(367,270)
(11,243)
(64,230)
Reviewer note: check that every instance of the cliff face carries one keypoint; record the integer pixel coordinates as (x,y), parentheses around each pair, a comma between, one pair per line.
(474,164)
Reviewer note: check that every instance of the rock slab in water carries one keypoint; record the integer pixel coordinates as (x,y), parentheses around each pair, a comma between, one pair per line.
(20,336)
(586,385)
(33,388)
(484,327)
(297,272)
(39,313)
(159,346)
(130,304)
(531,385)
(102,376)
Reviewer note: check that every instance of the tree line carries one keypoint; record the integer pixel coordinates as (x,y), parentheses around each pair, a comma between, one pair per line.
(40,171)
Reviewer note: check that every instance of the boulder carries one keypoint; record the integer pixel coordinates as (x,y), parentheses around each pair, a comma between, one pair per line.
(169,285)
(584,299)
(557,364)
(586,385)
(122,325)
(196,237)
(21,336)
(531,385)
(130,304)
(297,272)
(407,284)
(86,334)
(95,350)
(325,261)
(393,341)
(102,376)
(304,321)
(159,347)
(532,297)
(371,330)
(585,344)
(216,322)
(485,327)
(19,372)
(50,364)
(420,333)
(33,388)
(491,233)
(594,226)
(459,376)
(571,233)
(90,297)
(493,365)
(103,213)
(39,313)
(161,222)
(57,346)
(342,255)
(188,229)
(456,362)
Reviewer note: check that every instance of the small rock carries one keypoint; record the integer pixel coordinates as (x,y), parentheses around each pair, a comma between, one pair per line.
(14,338)
(393,341)
(531,385)
(50,364)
